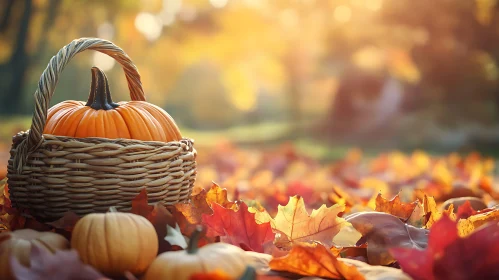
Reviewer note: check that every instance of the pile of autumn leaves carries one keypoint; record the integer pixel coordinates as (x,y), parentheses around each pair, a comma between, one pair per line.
(361,235)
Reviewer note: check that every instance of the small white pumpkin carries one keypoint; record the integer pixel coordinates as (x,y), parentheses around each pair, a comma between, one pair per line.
(181,265)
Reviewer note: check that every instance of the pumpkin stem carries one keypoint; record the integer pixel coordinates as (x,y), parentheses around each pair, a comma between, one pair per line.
(192,248)
(100,95)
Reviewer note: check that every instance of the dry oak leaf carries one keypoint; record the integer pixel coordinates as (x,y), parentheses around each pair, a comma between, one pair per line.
(318,261)
(62,265)
(295,225)
(395,207)
(238,227)
(384,231)
(450,257)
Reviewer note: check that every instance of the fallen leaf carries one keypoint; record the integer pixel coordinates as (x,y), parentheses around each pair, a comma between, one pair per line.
(66,222)
(175,237)
(302,189)
(238,227)
(218,195)
(140,204)
(295,225)
(262,216)
(194,210)
(187,228)
(157,214)
(383,231)
(395,207)
(465,210)
(450,257)
(309,260)
(160,218)
(61,265)
(475,203)
(188,215)
(432,214)
(467,226)
(358,252)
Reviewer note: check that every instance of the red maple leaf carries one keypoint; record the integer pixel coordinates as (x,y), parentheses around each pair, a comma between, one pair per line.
(301,189)
(157,214)
(140,205)
(450,257)
(465,211)
(238,227)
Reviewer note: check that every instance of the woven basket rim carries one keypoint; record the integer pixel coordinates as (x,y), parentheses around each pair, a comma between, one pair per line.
(107,140)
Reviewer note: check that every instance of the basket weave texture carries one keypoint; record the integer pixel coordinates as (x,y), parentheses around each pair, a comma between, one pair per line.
(50,175)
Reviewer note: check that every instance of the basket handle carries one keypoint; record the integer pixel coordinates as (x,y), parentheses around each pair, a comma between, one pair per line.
(48,82)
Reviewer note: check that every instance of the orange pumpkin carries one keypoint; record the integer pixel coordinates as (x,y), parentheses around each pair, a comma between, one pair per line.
(101,117)
(115,242)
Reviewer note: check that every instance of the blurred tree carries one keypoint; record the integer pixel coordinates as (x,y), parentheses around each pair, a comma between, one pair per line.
(457,54)
(13,70)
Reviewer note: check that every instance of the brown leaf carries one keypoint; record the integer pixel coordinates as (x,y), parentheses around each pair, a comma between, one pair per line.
(395,207)
(158,215)
(295,225)
(67,222)
(194,210)
(188,215)
(309,260)
(383,231)
(140,205)
(61,265)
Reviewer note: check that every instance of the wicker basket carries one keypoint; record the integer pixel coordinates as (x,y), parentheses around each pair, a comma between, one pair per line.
(50,175)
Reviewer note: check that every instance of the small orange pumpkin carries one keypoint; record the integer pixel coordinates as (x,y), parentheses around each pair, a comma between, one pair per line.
(115,242)
(101,117)
(18,244)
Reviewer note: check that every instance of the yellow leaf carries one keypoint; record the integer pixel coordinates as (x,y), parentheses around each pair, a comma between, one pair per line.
(296,226)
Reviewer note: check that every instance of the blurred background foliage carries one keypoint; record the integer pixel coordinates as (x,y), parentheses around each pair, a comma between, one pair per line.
(321,73)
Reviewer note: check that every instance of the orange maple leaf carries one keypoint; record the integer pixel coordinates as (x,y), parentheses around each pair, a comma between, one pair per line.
(395,207)
(295,225)
(318,261)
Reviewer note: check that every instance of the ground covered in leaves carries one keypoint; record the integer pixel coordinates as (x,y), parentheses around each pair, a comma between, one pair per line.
(404,216)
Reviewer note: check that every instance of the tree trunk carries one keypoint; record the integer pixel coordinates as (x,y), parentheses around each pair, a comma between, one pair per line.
(15,69)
